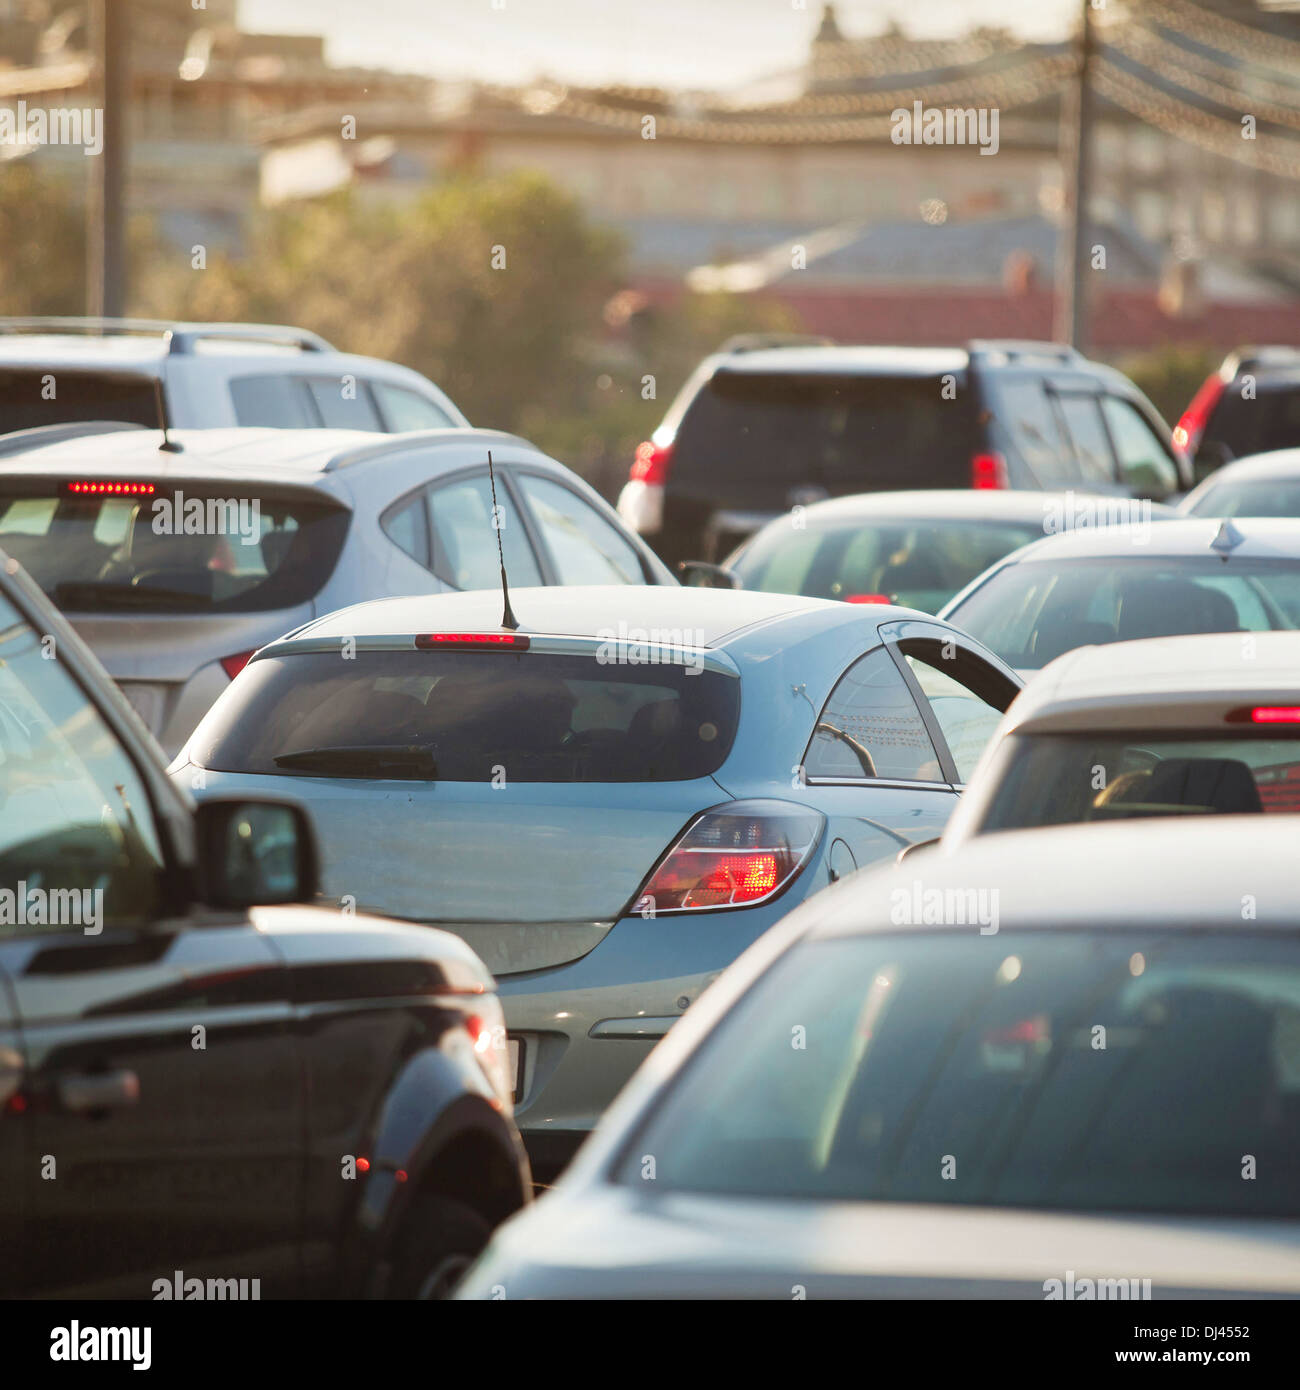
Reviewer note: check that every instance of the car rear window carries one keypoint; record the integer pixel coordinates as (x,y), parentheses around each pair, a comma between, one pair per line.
(955,1067)
(463,716)
(1269,420)
(920,563)
(1032,612)
(1063,779)
(1261,497)
(179,549)
(751,438)
(35,396)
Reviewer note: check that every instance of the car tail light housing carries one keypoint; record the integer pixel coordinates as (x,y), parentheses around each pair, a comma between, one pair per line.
(867,598)
(1264,714)
(1191,425)
(736,855)
(111,489)
(473,641)
(651,463)
(988,473)
(233,665)
(486,1026)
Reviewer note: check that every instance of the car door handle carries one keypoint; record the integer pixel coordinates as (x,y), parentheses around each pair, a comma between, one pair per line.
(101,1090)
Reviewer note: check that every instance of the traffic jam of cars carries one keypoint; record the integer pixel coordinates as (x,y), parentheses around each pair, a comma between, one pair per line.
(859,864)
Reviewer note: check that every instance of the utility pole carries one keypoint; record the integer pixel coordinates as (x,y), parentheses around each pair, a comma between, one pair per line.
(106,196)
(1072,269)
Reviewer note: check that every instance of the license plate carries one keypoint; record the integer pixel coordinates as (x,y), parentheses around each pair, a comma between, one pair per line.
(517,1064)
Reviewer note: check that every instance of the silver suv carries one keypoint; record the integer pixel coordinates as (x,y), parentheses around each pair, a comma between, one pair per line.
(204,376)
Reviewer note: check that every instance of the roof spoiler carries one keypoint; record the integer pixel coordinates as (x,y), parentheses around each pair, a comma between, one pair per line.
(40,435)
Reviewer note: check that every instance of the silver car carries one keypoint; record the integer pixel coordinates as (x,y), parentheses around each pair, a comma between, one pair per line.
(175,563)
(1043,1067)
(1260,485)
(610,802)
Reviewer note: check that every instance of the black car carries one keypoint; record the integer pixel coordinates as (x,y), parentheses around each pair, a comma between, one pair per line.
(201,1096)
(1251,405)
(758,430)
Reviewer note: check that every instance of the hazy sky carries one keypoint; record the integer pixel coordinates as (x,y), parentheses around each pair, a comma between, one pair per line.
(692,43)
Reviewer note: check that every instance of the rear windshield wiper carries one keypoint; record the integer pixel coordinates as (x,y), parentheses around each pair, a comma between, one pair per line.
(362,759)
(91,595)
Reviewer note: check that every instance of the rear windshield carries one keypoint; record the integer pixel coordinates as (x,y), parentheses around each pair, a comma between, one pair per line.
(33,396)
(772,433)
(940,1048)
(1269,420)
(179,549)
(461,716)
(1063,779)
(920,564)
(1259,497)
(1032,612)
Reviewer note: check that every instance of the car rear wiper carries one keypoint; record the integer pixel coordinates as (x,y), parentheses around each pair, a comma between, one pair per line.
(360,759)
(92,594)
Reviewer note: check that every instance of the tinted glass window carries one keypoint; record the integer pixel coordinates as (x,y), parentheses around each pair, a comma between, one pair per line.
(1091,446)
(585,548)
(965,719)
(279,402)
(465,541)
(1060,780)
(872,728)
(983,1047)
(407,527)
(77,834)
(404,410)
(920,564)
(344,403)
(1030,613)
(1143,462)
(753,438)
(34,396)
(461,716)
(1253,425)
(1024,409)
(159,554)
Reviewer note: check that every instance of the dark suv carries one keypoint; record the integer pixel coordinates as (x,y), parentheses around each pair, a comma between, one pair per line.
(1251,405)
(199,1097)
(757,430)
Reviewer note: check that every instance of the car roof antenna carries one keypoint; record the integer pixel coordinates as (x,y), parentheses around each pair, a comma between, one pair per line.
(508,619)
(169,445)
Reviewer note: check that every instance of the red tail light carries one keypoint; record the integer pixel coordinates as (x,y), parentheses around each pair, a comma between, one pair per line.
(1275,714)
(988,472)
(1191,426)
(473,641)
(651,463)
(867,598)
(112,489)
(233,665)
(733,856)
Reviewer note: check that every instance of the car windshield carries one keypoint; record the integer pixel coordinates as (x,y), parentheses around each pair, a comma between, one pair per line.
(760,435)
(176,548)
(1262,497)
(1032,612)
(461,716)
(920,564)
(1120,1071)
(1059,779)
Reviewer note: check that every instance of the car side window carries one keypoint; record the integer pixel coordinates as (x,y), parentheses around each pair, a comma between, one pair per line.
(1024,410)
(344,403)
(405,410)
(79,848)
(585,547)
(275,400)
(1143,463)
(1091,444)
(406,525)
(465,543)
(871,728)
(966,716)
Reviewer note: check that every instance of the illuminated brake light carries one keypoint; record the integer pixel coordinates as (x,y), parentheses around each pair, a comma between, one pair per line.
(733,856)
(1275,714)
(473,641)
(867,598)
(112,489)
(233,665)
(988,473)
(1191,426)
(651,463)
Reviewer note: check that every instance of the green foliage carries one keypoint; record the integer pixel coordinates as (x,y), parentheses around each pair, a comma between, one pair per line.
(42,244)
(1172,374)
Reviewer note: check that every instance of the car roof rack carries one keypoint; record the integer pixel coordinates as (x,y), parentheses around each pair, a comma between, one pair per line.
(40,435)
(180,337)
(1018,349)
(1265,355)
(758,342)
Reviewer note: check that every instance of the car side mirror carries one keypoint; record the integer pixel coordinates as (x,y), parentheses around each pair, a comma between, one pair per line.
(253,853)
(700,574)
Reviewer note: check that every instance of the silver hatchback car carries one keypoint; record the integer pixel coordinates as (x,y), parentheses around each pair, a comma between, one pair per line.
(176,563)
(610,802)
